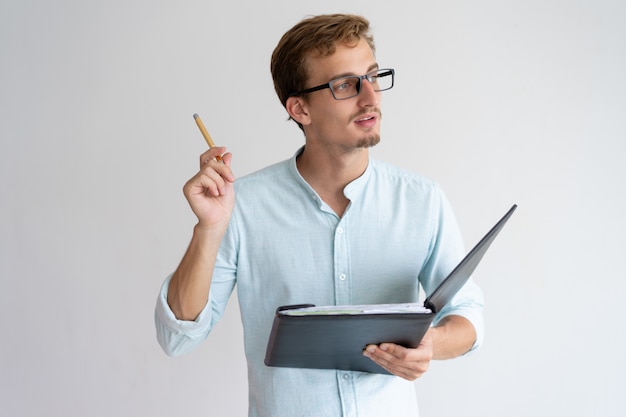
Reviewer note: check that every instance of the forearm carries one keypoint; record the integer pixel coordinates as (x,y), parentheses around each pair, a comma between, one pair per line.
(452,337)
(188,290)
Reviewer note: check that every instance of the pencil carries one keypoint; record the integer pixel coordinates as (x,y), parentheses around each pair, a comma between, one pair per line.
(206,135)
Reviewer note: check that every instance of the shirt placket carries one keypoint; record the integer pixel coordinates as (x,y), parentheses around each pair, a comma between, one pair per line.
(343,296)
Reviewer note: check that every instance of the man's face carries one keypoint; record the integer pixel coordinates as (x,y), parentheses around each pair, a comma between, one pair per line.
(350,123)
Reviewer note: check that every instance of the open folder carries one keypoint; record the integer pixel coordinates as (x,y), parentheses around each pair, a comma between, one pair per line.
(333,337)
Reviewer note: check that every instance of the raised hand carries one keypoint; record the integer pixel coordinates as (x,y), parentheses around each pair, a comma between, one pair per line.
(210,192)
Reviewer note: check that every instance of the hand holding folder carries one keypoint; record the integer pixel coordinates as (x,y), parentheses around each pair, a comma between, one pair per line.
(333,337)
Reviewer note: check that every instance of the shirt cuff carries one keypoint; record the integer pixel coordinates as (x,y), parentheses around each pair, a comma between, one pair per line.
(175,336)
(474,317)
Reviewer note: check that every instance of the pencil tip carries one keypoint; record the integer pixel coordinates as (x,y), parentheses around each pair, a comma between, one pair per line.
(195,115)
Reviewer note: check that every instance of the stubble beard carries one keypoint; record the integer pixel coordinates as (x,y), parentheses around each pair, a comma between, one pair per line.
(369,141)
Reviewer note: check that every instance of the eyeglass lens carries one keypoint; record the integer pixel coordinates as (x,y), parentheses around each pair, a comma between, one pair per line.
(350,86)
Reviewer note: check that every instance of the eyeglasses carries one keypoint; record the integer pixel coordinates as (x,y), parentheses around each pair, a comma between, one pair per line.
(350,86)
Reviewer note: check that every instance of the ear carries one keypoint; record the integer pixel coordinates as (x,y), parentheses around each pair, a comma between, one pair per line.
(297,109)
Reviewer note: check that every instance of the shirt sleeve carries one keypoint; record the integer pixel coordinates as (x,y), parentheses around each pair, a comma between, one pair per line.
(467,303)
(178,337)
(446,251)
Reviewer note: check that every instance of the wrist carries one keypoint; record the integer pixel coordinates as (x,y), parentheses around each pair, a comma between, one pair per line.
(453,336)
(209,231)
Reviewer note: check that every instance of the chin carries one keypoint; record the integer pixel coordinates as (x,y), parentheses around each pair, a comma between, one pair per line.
(369,141)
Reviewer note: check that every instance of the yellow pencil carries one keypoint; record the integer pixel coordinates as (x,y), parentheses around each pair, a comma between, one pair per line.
(206,135)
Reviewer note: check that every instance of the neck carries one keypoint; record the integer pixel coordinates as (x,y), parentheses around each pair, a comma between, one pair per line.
(329,173)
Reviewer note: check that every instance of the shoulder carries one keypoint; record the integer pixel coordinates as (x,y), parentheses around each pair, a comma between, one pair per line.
(405,192)
(393,175)
(265,177)
(270,187)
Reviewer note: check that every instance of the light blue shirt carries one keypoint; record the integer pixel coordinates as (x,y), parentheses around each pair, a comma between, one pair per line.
(284,245)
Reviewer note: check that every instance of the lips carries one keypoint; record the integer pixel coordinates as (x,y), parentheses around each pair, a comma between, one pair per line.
(367,120)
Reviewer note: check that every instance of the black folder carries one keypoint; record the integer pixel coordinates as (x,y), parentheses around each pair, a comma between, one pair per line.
(336,341)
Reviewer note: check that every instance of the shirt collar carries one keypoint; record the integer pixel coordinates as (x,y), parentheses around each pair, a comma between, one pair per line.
(352,191)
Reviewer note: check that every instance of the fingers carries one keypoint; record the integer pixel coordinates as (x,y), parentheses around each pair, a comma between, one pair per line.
(209,182)
(406,363)
(213,177)
(213,154)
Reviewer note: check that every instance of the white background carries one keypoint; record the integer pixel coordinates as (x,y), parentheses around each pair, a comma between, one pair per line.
(502,102)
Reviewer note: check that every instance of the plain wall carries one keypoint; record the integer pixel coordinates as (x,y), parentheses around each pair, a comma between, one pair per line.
(501,102)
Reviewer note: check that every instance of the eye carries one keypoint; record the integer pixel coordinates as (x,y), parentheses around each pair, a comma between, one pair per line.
(373,77)
(347,84)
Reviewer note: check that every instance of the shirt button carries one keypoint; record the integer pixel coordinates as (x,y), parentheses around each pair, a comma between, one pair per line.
(340,230)
(342,277)
(346,377)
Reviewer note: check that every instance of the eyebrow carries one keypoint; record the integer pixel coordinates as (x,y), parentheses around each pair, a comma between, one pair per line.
(348,74)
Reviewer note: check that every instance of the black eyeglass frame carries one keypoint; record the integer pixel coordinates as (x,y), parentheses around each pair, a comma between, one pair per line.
(383,72)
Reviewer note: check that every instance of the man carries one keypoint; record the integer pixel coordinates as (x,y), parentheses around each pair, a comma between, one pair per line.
(329,226)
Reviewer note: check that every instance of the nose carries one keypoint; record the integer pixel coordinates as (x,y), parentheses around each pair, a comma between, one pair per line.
(367,96)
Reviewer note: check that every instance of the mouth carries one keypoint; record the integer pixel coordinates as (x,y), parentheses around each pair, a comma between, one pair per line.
(367,120)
